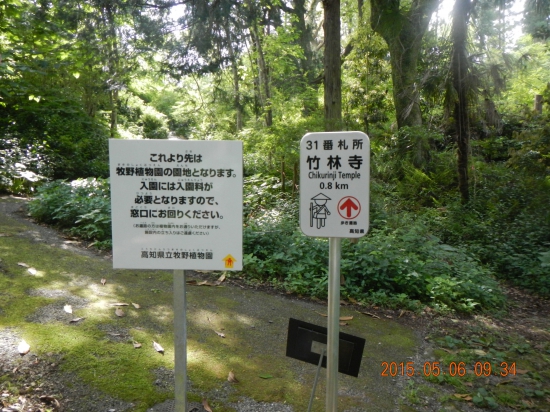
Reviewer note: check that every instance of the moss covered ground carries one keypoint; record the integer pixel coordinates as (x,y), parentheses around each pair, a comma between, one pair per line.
(100,350)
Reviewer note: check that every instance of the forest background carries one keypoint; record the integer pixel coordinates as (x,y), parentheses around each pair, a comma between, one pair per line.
(456,110)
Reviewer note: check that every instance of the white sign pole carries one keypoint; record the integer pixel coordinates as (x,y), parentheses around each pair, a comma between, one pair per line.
(334,203)
(333,321)
(180,342)
(177,205)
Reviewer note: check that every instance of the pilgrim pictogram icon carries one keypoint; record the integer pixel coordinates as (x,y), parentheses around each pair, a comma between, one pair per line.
(318,210)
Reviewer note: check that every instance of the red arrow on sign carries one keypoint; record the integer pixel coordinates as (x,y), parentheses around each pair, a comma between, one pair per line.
(349,207)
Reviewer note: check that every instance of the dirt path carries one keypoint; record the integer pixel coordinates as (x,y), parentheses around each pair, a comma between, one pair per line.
(92,365)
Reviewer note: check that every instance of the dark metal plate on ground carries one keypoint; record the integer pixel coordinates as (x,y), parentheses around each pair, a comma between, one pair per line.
(306,342)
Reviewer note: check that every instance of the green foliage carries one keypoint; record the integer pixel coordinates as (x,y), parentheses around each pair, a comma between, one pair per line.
(506,225)
(138,120)
(409,260)
(483,398)
(418,163)
(526,77)
(366,83)
(265,148)
(536,19)
(390,265)
(530,152)
(21,169)
(82,207)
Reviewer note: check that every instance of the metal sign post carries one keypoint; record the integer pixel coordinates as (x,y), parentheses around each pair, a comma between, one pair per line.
(180,342)
(334,203)
(333,323)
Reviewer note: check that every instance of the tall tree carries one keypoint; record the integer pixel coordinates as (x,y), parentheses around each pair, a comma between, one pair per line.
(459,69)
(307,60)
(332,63)
(402,24)
(537,18)
(264,83)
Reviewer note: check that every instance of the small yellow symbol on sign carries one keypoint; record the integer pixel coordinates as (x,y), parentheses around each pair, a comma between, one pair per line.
(229,261)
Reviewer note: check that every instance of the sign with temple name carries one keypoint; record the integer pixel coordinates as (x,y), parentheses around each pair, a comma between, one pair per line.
(334,184)
(176,204)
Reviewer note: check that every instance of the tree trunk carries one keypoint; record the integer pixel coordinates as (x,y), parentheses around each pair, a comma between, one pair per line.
(459,69)
(114,65)
(236,86)
(306,62)
(403,31)
(263,77)
(333,71)
(114,112)
(538,103)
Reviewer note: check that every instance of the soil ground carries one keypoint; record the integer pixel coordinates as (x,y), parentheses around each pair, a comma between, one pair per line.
(91,364)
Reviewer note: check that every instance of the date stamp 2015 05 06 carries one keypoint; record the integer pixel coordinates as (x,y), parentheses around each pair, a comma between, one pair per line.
(393,369)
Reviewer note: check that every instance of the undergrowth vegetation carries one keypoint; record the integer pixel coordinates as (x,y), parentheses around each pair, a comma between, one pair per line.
(81,207)
(404,265)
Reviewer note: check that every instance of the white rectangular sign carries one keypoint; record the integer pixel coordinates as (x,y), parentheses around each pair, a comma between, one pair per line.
(176,204)
(334,184)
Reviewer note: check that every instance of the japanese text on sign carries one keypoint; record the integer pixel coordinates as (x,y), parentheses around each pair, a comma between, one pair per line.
(334,184)
(169,201)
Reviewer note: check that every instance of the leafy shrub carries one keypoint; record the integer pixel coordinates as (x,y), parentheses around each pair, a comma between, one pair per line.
(83,207)
(391,264)
(418,163)
(21,168)
(506,225)
(154,127)
(409,260)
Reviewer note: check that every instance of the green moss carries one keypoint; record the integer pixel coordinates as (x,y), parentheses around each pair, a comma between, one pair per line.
(249,349)
(507,394)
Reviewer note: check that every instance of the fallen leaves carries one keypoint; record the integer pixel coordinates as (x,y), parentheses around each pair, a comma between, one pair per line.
(194,282)
(266,376)
(23,264)
(220,279)
(158,348)
(231,378)
(205,405)
(372,315)
(32,271)
(463,396)
(23,348)
(119,305)
(221,335)
(137,345)
(342,319)
(76,320)
(50,400)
